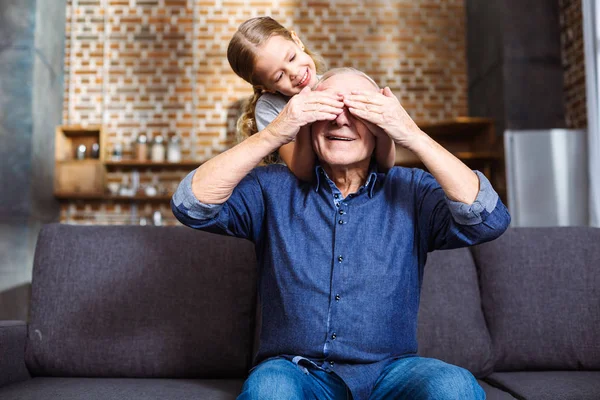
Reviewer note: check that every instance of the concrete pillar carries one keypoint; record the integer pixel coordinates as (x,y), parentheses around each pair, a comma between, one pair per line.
(32,40)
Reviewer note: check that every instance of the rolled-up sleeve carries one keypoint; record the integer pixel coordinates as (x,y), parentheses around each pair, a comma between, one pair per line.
(186,202)
(446,224)
(487,198)
(241,215)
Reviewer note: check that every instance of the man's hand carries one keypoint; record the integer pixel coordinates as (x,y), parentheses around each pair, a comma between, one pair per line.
(384,111)
(305,108)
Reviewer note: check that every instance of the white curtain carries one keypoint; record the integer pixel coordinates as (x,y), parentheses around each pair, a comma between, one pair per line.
(591,39)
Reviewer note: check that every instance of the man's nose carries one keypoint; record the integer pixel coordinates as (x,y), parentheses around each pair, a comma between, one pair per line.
(343,118)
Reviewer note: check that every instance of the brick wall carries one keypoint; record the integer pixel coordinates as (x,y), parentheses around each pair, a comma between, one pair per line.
(573,63)
(159,66)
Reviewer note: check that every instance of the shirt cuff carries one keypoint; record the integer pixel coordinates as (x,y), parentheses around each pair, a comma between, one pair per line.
(185,200)
(466,214)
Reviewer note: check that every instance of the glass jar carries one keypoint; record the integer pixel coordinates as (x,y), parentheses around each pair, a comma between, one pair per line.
(158,149)
(141,149)
(174,150)
(117,154)
(81,149)
(95,151)
(157,218)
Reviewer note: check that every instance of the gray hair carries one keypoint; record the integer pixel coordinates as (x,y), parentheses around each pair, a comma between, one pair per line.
(344,70)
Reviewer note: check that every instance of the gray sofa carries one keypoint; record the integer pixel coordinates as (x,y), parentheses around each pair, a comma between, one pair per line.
(169,313)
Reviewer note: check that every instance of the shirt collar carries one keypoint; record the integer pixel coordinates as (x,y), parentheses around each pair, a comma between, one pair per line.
(369,185)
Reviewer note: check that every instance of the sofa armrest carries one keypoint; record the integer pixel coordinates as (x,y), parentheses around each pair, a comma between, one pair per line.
(13,335)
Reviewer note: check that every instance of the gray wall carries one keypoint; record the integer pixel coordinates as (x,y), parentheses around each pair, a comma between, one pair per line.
(32,40)
(514,63)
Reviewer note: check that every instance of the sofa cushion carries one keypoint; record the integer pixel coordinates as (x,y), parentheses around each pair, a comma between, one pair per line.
(451,324)
(122,388)
(541,298)
(13,335)
(493,393)
(136,301)
(549,385)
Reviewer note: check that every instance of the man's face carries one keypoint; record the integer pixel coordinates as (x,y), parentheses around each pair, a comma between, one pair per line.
(346,140)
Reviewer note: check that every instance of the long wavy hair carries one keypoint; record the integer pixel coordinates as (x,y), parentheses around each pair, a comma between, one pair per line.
(242,53)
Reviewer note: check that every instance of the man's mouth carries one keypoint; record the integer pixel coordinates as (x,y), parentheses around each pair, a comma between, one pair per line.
(304,79)
(344,139)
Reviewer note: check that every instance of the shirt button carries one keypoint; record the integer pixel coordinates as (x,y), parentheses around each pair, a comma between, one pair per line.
(341,212)
(334,336)
(340,222)
(340,258)
(337,196)
(337,297)
(331,363)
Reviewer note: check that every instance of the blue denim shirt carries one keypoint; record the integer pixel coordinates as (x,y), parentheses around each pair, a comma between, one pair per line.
(340,278)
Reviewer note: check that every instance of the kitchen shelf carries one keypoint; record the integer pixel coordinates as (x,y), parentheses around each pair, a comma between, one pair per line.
(109,197)
(78,196)
(462,126)
(470,139)
(130,164)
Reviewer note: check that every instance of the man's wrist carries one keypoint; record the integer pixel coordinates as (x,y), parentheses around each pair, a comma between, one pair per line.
(417,143)
(272,136)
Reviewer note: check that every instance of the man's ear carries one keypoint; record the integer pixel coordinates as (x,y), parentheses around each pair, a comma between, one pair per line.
(297,40)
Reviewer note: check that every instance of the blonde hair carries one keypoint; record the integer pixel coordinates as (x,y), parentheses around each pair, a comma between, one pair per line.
(242,53)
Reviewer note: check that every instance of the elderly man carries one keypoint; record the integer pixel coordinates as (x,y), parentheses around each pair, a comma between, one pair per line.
(341,258)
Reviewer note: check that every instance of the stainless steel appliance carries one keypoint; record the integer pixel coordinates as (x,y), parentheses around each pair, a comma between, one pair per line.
(547,177)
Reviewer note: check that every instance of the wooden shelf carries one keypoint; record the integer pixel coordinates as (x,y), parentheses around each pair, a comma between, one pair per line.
(457,126)
(470,139)
(80,162)
(140,197)
(78,196)
(129,164)
(109,197)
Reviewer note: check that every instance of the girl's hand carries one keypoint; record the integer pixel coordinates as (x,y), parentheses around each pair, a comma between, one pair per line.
(305,108)
(385,112)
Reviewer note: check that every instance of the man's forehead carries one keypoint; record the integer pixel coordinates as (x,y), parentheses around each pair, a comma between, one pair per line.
(346,82)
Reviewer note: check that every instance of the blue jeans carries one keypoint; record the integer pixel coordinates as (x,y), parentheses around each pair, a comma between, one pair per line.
(413,378)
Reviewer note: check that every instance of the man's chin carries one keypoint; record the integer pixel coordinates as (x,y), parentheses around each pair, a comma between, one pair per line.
(341,159)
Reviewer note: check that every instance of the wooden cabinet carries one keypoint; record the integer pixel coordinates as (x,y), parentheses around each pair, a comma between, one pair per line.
(87,179)
(73,175)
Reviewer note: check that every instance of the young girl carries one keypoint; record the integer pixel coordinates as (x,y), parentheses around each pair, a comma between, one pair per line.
(278,66)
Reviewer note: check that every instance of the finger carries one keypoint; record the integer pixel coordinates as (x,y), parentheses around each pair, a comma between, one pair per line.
(365,98)
(363,92)
(388,92)
(326,101)
(322,116)
(326,95)
(326,109)
(363,106)
(366,115)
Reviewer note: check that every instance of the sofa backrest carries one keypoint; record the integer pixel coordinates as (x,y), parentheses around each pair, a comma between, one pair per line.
(128,301)
(541,297)
(175,302)
(451,324)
